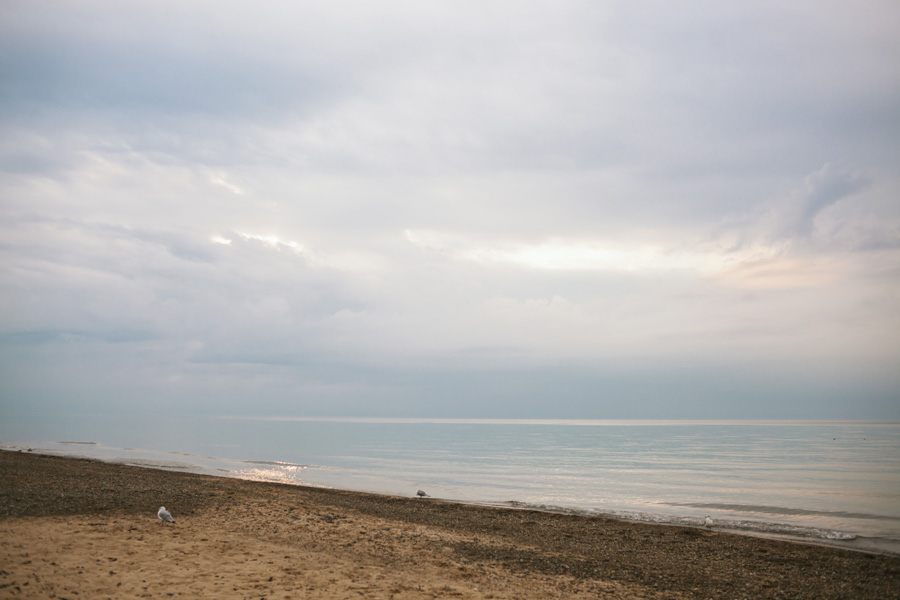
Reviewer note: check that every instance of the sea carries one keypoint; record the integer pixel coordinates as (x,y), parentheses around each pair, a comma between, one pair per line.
(835,483)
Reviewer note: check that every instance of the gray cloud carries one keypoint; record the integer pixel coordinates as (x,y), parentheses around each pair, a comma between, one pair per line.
(824,188)
(358,209)
(144,60)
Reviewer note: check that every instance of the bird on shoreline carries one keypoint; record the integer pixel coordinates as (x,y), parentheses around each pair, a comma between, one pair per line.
(165,515)
(421,494)
(708,522)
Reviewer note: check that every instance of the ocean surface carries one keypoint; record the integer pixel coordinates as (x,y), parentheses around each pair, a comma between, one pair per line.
(825,482)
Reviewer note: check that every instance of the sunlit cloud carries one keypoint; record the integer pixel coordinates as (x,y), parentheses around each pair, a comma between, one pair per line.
(588,255)
(221,180)
(784,274)
(273,241)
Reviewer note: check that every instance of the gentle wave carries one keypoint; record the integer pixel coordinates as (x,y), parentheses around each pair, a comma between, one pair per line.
(274,463)
(778,510)
(719,524)
(282,473)
(153,464)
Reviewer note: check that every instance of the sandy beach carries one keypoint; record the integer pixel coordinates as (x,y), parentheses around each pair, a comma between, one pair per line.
(73,528)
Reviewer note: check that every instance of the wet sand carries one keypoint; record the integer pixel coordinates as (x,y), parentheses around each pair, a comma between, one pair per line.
(73,528)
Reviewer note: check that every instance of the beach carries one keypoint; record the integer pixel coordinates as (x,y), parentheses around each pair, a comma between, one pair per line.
(75,528)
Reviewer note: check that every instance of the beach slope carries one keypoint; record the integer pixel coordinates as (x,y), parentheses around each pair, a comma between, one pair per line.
(73,528)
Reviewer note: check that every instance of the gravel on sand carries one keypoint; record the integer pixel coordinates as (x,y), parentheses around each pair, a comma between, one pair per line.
(82,528)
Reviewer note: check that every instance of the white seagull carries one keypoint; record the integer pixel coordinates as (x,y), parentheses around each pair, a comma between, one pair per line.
(708,521)
(165,515)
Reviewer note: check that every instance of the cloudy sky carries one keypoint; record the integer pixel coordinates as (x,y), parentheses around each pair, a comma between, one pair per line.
(473,209)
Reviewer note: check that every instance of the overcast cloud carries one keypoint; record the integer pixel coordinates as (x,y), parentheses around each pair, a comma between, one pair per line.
(471,209)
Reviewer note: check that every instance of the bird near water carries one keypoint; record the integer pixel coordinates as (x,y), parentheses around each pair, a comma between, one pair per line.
(421,494)
(165,515)
(708,522)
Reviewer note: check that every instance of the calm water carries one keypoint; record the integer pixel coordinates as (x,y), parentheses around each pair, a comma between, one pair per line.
(819,480)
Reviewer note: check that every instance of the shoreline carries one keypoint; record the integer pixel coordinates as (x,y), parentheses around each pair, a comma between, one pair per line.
(858,542)
(75,525)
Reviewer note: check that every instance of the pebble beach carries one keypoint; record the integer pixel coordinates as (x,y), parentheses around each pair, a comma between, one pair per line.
(76,528)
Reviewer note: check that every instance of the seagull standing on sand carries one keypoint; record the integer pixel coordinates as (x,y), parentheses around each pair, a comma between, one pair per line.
(165,515)
(708,521)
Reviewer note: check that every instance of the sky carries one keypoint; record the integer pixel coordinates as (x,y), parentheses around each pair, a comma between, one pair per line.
(492,209)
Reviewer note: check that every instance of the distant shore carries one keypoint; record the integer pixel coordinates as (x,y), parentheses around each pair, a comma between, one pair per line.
(73,527)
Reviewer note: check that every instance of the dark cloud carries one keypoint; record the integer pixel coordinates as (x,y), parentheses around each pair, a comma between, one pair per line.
(149,63)
(824,188)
